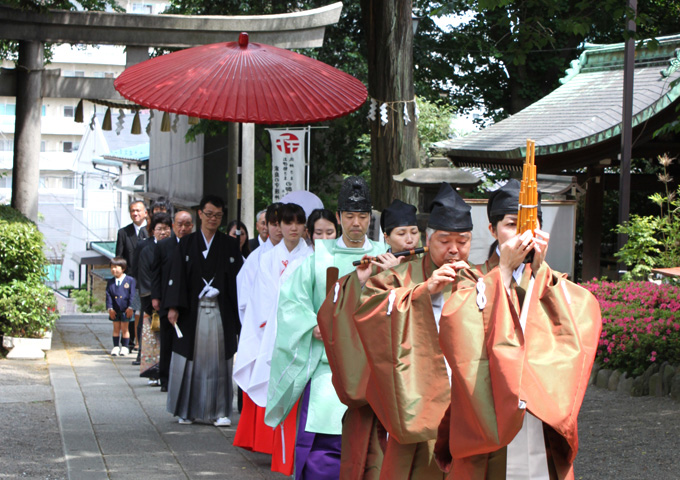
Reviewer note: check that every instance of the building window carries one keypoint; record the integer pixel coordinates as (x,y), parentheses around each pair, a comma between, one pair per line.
(6,145)
(69,111)
(43,111)
(6,181)
(43,147)
(8,109)
(142,8)
(68,183)
(68,147)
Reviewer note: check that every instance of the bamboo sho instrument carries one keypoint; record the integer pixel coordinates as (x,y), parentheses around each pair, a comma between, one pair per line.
(527,210)
(405,253)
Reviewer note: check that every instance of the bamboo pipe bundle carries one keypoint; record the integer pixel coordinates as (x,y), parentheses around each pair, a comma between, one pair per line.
(527,210)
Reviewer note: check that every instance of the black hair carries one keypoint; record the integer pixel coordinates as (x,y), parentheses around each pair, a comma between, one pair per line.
(273,214)
(326,215)
(245,251)
(162,218)
(214,199)
(118,262)
(292,212)
(162,203)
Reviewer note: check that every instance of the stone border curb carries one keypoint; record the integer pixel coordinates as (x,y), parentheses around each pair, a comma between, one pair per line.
(658,380)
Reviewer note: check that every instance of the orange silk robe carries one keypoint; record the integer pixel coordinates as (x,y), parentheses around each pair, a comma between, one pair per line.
(408,387)
(495,366)
(361,455)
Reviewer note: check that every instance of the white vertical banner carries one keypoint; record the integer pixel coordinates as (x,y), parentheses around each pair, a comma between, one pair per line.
(288,160)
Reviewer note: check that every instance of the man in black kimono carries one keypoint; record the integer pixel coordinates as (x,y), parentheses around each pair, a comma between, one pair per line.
(201,302)
(166,251)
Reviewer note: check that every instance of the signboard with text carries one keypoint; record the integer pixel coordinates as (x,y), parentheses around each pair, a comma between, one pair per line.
(288,161)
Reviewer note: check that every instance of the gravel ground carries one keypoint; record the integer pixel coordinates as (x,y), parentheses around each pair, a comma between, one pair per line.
(30,442)
(628,438)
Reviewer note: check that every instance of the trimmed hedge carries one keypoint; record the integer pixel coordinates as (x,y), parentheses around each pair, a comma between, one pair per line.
(27,306)
(21,248)
(27,309)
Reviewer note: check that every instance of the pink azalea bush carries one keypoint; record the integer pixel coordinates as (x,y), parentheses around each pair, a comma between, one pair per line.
(640,324)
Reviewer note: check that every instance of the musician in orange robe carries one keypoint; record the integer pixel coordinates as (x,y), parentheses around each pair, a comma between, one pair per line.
(397,322)
(521,340)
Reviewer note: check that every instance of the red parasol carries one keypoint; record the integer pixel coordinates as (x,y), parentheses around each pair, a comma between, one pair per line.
(242,82)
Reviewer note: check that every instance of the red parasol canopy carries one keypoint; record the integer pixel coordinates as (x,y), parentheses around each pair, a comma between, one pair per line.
(242,82)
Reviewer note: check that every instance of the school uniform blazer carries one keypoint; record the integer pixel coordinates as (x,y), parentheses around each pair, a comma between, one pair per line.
(120,297)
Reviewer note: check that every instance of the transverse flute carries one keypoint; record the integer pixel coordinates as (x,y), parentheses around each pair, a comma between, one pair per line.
(405,253)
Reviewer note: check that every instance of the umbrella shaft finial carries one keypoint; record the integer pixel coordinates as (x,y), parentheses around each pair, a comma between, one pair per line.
(243,40)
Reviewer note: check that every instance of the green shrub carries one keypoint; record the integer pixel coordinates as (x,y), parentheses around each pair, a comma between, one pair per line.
(86,302)
(27,306)
(27,309)
(653,240)
(21,248)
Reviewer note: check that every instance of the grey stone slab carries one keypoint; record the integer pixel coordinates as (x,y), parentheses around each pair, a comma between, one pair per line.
(83,457)
(145,465)
(25,393)
(121,439)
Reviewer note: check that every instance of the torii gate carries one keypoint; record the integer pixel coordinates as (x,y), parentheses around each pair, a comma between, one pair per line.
(29,82)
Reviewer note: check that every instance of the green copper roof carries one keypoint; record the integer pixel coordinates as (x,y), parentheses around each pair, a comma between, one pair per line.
(582,113)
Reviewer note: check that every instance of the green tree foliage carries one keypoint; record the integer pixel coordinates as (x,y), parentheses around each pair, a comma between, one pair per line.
(511,53)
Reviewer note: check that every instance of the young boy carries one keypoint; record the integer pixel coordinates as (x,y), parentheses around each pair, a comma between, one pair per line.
(120,291)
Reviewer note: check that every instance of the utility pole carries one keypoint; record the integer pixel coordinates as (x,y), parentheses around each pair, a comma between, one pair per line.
(627,124)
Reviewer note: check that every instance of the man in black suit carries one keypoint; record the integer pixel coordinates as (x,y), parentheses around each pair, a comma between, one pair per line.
(261,226)
(126,243)
(161,267)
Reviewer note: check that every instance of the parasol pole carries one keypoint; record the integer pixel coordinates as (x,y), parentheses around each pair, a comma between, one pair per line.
(238,182)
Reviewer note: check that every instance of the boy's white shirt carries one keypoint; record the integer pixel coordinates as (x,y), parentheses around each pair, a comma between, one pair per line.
(258,330)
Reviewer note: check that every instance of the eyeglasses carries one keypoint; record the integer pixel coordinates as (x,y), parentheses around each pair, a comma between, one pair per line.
(217,215)
(162,229)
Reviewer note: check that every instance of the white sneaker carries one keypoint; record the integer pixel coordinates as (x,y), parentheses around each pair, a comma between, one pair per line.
(115,352)
(184,421)
(222,422)
(124,351)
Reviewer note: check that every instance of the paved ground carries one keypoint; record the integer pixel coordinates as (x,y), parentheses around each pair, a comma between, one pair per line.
(82,414)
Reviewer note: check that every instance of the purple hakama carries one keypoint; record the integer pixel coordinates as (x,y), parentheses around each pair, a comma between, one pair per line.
(317,455)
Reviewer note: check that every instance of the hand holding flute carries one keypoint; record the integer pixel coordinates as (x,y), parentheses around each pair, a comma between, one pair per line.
(367,260)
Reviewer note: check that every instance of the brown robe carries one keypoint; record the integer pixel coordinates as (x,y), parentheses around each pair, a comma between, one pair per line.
(408,387)
(361,455)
